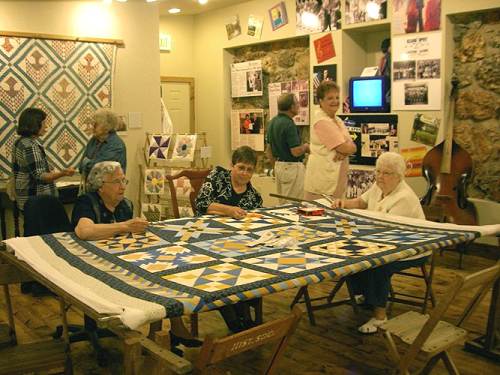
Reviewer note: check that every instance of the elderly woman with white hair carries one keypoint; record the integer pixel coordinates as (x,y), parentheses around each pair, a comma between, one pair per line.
(104,211)
(105,145)
(392,195)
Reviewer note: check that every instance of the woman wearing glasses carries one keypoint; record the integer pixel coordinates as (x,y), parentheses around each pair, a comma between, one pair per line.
(104,211)
(392,195)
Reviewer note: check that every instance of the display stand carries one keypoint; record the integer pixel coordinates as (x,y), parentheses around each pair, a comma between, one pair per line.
(170,166)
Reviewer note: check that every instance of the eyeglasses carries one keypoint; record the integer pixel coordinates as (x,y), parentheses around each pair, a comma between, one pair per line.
(122,181)
(383,173)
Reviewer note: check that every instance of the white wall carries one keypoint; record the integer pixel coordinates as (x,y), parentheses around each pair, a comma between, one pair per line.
(136,80)
(179,61)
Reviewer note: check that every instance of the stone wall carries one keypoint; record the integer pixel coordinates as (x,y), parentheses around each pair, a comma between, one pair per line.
(284,60)
(476,125)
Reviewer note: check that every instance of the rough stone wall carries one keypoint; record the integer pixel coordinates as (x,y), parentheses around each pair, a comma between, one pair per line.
(476,126)
(284,60)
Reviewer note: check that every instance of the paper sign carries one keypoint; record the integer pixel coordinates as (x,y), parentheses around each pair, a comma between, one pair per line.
(324,48)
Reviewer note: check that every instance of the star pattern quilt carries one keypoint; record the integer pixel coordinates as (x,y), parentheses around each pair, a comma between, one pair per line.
(197,264)
(68,80)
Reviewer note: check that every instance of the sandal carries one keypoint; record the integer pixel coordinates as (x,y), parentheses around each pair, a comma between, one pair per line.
(371,326)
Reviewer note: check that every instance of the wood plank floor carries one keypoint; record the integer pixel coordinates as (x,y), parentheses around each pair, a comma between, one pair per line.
(332,347)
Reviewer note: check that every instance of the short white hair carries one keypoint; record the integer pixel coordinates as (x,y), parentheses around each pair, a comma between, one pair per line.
(106,118)
(393,161)
(95,179)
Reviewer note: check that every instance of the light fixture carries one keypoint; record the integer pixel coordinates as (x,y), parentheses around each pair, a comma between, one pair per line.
(202,2)
(150,1)
(122,1)
(372,10)
(174,10)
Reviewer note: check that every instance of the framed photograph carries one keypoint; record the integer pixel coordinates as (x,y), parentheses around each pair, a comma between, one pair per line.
(278,15)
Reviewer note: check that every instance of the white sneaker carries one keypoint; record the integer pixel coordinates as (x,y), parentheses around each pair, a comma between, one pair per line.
(359,299)
(371,326)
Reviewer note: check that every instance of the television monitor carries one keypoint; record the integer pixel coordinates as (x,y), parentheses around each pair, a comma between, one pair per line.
(368,94)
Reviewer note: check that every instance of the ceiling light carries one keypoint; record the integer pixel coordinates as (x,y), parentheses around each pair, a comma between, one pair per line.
(150,1)
(122,1)
(202,2)
(174,10)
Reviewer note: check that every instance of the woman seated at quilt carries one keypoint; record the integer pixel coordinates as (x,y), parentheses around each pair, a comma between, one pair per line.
(390,194)
(230,193)
(104,212)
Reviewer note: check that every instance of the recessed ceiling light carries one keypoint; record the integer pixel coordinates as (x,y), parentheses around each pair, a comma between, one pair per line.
(174,10)
(122,1)
(150,1)
(202,2)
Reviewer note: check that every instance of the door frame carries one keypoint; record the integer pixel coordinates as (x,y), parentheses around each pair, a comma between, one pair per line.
(190,81)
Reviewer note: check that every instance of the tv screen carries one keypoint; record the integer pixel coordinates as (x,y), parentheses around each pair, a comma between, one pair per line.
(367,94)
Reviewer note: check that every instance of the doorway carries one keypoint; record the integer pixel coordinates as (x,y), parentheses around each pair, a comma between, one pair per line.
(178,95)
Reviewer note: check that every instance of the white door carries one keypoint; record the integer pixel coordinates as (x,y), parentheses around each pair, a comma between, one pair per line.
(176,96)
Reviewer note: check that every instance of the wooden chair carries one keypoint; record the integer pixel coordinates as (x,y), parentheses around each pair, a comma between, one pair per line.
(279,331)
(196,178)
(33,357)
(429,335)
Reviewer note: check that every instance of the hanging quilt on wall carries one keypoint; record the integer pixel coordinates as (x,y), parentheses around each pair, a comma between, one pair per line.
(68,80)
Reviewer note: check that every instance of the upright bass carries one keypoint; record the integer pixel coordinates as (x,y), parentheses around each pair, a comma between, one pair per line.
(448,169)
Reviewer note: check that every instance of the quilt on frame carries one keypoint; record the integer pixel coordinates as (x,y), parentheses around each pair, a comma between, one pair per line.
(201,263)
(69,80)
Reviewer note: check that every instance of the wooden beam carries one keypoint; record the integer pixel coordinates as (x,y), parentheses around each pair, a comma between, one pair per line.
(18,34)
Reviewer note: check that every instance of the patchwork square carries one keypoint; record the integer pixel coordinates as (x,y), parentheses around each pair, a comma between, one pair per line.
(128,241)
(300,233)
(233,246)
(218,277)
(189,230)
(252,220)
(292,261)
(165,258)
(352,248)
(404,237)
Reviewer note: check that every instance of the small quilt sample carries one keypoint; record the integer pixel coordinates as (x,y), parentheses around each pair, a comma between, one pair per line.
(158,146)
(154,181)
(185,145)
(151,212)
(201,263)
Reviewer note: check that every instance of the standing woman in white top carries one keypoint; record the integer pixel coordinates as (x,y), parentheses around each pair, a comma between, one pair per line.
(390,194)
(331,145)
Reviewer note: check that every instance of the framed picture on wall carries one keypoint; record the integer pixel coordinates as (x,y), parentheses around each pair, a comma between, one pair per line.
(278,15)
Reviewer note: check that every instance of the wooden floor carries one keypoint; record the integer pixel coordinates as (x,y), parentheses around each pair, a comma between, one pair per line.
(332,347)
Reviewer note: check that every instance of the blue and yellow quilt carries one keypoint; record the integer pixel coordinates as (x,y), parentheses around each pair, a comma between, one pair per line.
(197,264)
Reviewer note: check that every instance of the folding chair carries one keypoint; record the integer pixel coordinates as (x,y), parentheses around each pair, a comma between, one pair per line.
(279,330)
(34,357)
(414,300)
(429,335)
(196,178)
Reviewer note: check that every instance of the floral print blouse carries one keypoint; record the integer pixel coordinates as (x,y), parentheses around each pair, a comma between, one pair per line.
(217,188)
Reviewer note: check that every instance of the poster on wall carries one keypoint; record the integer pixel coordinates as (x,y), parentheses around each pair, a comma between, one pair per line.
(300,88)
(246,79)
(233,27)
(414,16)
(316,16)
(373,135)
(254,28)
(323,73)
(359,181)
(357,11)
(416,72)
(324,48)
(247,129)
(425,129)
(413,157)
(278,16)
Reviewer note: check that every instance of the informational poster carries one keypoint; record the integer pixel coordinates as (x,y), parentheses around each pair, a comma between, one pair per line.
(359,181)
(373,135)
(246,79)
(317,16)
(323,73)
(247,128)
(414,157)
(416,72)
(413,16)
(301,90)
(357,11)
(324,48)
(233,27)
